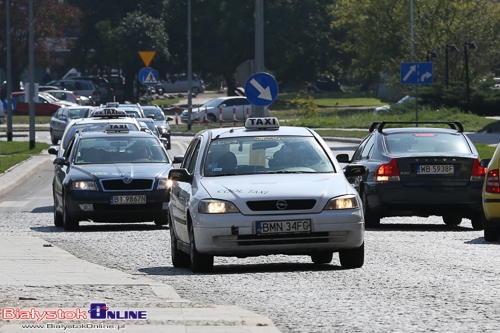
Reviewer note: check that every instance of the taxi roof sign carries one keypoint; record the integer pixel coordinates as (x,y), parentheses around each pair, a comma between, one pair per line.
(262,123)
(117,128)
(109,113)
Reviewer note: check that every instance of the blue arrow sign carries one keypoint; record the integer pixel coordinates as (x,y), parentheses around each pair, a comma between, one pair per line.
(148,76)
(261,89)
(416,73)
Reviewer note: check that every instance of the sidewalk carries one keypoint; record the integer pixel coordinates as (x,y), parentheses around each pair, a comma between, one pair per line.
(36,276)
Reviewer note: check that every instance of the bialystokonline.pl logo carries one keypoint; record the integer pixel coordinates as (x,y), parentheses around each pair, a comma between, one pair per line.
(98,311)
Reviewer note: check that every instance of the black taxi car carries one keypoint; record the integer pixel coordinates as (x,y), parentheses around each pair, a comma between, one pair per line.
(419,171)
(114,175)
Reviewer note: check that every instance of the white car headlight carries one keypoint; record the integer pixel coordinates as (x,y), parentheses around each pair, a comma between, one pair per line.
(84,185)
(163,184)
(216,207)
(344,202)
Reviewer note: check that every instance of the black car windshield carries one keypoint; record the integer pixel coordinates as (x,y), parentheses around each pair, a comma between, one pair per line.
(427,142)
(266,154)
(110,150)
(88,128)
(157,113)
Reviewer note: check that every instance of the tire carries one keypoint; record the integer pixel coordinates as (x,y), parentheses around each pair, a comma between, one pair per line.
(161,221)
(372,220)
(452,219)
(169,145)
(58,218)
(352,258)
(179,258)
(322,257)
(53,139)
(69,222)
(211,118)
(491,234)
(477,221)
(200,263)
(195,90)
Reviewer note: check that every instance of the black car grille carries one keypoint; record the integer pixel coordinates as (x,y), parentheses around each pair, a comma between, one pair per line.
(121,185)
(314,237)
(270,205)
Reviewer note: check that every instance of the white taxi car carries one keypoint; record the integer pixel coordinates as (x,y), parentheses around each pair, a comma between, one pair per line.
(263,189)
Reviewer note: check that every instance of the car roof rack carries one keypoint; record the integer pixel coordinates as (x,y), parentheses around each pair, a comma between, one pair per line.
(379,125)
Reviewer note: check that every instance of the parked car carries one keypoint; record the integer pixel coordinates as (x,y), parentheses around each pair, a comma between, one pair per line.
(62,118)
(235,194)
(231,105)
(491,197)
(155,112)
(46,105)
(102,84)
(419,171)
(81,87)
(64,95)
(323,83)
(179,84)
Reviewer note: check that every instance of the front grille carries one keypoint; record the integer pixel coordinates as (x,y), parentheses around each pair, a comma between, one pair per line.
(314,237)
(134,185)
(270,205)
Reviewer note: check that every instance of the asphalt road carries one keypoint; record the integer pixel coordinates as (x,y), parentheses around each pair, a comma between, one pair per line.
(419,275)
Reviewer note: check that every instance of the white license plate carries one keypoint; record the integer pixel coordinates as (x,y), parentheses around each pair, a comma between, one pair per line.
(128,200)
(435,169)
(283,227)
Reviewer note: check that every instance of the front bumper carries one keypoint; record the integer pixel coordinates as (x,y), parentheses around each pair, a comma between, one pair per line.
(156,206)
(236,235)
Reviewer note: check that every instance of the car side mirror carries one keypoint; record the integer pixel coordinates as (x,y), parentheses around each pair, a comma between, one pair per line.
(484,163)
(170,118)
(178,159)
(180,175)
(354,170)
(343,158)
(60,161)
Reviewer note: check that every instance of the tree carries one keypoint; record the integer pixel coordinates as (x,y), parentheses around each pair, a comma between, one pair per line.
(53,20)
(379,35)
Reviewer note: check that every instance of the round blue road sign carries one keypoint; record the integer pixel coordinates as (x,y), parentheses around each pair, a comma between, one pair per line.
(148,76)
(261,89)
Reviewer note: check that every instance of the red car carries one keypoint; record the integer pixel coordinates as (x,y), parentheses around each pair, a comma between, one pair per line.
(46,106)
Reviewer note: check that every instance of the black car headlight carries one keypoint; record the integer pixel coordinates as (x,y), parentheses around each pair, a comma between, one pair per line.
(210,206)
(163,184)
(343,202)
(84,185)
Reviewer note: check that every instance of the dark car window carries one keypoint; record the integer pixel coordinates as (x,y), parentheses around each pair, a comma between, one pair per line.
(357,154)
(427,143)
(367,151)
(189,153)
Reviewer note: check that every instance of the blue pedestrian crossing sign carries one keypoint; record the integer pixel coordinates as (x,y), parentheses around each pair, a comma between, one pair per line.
(148,76)
(261,89)
(416,73)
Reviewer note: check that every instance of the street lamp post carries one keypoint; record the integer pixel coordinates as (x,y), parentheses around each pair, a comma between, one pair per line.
(472,46)
(453,48)
(432,54)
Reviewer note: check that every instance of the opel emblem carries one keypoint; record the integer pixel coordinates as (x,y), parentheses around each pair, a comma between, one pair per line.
(281,205)
(127,180)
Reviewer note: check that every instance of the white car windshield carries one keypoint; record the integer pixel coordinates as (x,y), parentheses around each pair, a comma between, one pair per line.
(265,154)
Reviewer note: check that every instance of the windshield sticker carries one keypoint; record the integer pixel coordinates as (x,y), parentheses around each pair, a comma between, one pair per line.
(267,138)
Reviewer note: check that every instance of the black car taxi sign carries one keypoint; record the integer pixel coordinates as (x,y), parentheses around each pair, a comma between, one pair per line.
(108,113)
(262,123)
(117,128)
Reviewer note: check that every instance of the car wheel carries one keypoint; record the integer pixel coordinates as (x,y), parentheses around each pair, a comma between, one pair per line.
(199,262)
(195,90)
(169,144)
(452,219)
(371,219)
(322,257)
(352,258)
(491,234)
(179,258)
(211,118)
(477,221)
(69,222)
(53,138)
(58,217)
(311,91)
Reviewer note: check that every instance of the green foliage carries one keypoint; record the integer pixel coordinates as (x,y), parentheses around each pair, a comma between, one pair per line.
(14,152)
(305,105)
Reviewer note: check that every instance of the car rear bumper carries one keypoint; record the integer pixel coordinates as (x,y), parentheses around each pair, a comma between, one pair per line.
(397,200)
